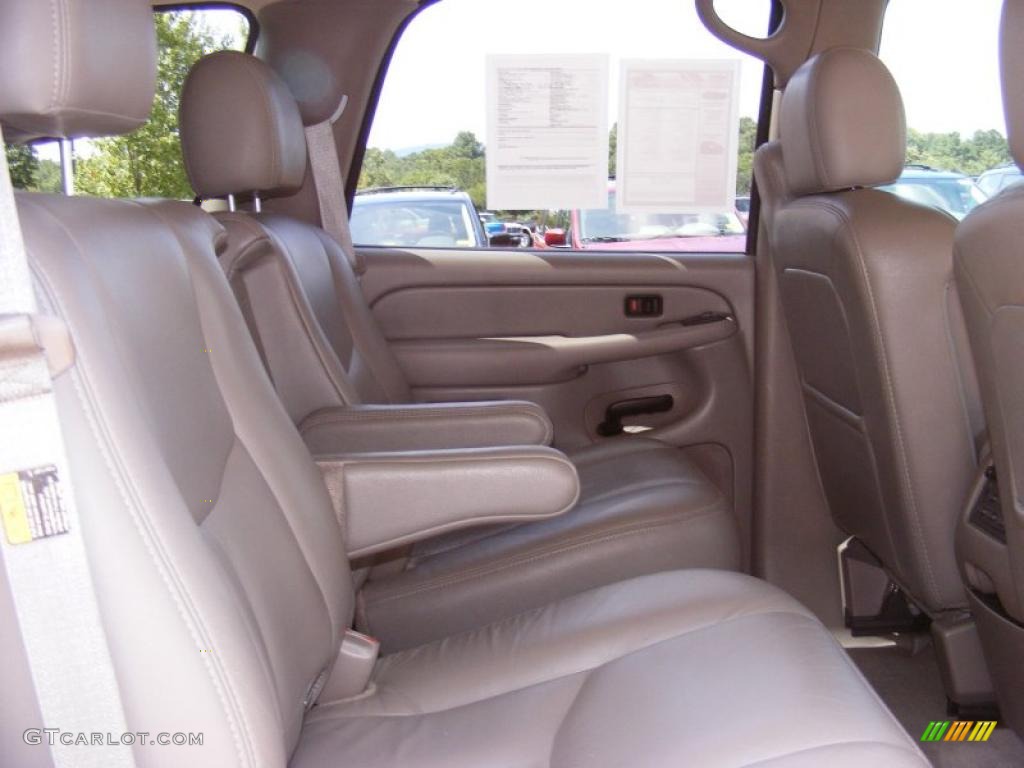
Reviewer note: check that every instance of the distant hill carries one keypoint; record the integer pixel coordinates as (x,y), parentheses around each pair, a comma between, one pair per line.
(405,151)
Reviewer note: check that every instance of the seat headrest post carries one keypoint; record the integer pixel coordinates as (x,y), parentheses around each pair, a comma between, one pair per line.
(842,123)
(76,68)
(67,167)
(240,128)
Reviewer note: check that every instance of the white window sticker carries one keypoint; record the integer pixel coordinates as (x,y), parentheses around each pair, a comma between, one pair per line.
(678,136)
(547,132)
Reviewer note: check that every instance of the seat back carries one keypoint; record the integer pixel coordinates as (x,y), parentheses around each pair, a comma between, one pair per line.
(216,556)
(299,292)
(990,273)
(866,285)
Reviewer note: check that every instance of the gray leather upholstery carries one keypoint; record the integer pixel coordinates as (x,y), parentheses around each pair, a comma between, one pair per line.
(991,281)
(385,500)
(225,591)
(427,426)
(866,284)
(240,130)
(76,73)
(693,668)
(208,528)
(842,123)
(308,316)
(643,507)
(990,275)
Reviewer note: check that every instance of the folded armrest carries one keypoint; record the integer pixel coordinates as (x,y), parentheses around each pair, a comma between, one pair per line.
(424,427)
(387,499)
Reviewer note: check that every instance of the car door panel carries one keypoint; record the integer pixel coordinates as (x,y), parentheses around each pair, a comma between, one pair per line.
(551,327)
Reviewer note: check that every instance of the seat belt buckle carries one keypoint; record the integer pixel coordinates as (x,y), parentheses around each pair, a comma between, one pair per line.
(352,670)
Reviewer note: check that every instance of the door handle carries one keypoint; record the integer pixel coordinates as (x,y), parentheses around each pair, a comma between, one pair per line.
(616,412)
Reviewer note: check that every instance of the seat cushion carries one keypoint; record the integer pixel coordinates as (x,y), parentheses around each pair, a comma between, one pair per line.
(683,668)
(644,507)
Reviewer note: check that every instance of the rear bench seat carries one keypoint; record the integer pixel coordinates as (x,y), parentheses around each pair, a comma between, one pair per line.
(644,506)
(208,527)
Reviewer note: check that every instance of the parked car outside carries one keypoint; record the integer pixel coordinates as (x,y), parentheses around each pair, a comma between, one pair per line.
(955,193)
(492,224)
(608,230)
(995,180)
(743,209)
(521,232)
(422,217)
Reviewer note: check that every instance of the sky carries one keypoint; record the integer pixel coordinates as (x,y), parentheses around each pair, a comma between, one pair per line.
(941,52)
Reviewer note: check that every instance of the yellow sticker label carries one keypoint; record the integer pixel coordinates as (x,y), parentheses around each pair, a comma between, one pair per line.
(12,509)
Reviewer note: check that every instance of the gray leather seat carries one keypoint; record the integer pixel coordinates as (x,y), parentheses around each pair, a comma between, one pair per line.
(644,506)
(867,288)
(208,527)
(990,274)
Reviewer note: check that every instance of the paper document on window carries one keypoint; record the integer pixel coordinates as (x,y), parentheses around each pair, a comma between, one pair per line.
(678,136)
(547,132)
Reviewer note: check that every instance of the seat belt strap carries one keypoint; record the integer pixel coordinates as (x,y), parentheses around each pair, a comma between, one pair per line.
(41,541)
(330,185)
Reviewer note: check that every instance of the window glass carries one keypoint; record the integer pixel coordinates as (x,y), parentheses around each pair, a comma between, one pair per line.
(146,162)
(428,133)
(946,63)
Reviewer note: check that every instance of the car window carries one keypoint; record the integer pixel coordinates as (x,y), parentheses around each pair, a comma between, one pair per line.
(430,125)
(146,162)
(389,220)
(955,127)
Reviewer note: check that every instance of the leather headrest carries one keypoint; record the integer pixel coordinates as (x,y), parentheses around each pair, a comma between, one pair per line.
(71,68)
(240,128)
(842,123)
(1011,52)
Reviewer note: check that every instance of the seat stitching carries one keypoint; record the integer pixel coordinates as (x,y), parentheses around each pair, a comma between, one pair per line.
(57,49)
(331,417)
(489,569)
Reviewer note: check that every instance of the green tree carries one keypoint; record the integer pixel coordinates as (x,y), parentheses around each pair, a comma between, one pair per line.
(613,150)
(23,165)
(30,172)
(380,168)
(48,177)
(461,164)
(745,162)
(951,152)
(148,161)
(467,146)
